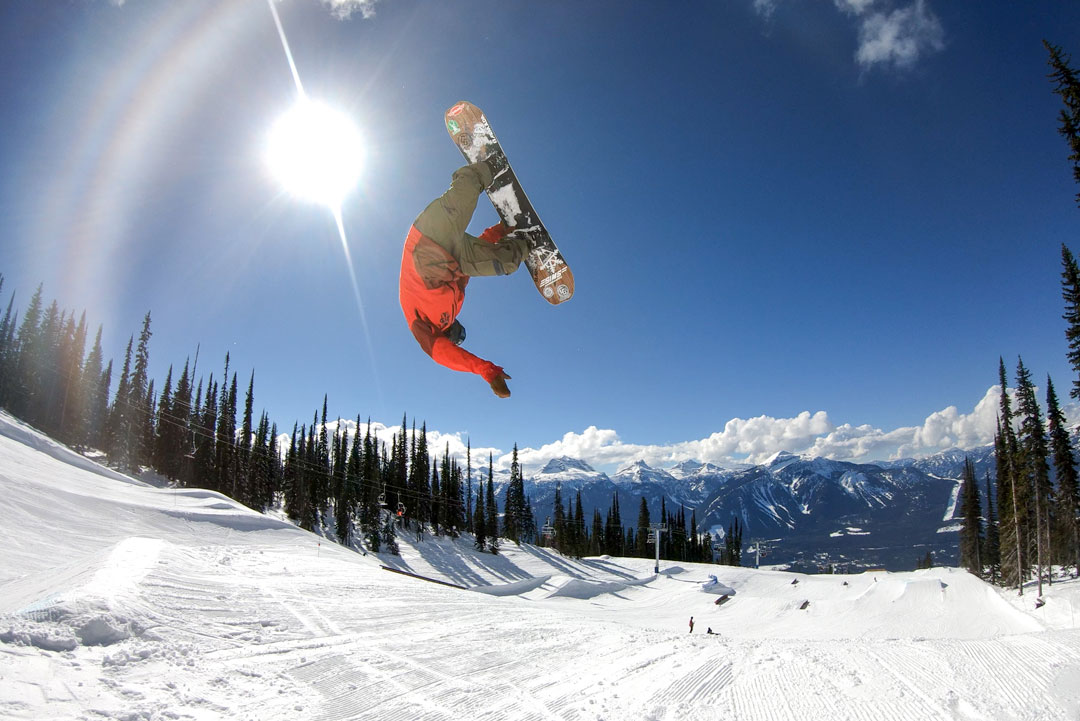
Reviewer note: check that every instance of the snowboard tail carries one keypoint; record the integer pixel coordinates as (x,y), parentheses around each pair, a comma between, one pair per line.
(471,132)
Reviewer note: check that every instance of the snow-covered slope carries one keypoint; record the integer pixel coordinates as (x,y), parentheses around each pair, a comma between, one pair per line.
(122,601)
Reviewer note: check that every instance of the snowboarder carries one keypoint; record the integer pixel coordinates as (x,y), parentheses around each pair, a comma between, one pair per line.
(691,624)
(439,258)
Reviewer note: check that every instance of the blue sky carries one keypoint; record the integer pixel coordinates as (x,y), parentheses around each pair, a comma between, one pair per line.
(809,226)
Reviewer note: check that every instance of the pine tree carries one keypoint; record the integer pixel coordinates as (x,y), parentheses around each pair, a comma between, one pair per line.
(140,420)
(643,522)
(596,542)
(371,484)
(120,414)
(344,495)
(245,487)
(1035,471)
(480,519)
(578,530)
(1070,293)
(993,545)
(1012,494)
(469,490)
(971,532)
(7,350)
(1067,85)
(164,429)
(71,411)
(1066,531)
(91,404)
(559,518)
(514,521)
(28,350)
(204,471)
(492,510)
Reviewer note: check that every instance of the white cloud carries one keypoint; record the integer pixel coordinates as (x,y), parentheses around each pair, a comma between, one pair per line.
(854,7)
(755,440)
(887,35)
(900,37)
(344,9)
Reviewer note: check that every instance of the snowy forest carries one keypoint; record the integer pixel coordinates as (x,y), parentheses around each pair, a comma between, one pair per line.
(333,477)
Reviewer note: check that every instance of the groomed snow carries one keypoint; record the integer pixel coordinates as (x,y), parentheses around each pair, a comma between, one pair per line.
(123,601)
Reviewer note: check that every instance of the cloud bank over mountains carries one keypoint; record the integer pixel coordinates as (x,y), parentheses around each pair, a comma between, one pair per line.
(755,440)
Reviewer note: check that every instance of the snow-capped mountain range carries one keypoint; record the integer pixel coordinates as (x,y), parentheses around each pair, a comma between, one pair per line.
(812,511)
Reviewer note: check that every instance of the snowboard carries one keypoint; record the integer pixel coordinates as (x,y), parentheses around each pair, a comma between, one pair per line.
(471,132)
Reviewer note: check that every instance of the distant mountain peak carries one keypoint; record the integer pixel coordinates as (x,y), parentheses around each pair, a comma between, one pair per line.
(781,458)
(564,464)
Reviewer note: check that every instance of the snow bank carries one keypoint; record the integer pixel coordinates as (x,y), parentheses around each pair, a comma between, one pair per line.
(19,432)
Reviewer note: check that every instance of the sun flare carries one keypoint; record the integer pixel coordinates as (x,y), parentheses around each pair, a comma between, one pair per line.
(316,153)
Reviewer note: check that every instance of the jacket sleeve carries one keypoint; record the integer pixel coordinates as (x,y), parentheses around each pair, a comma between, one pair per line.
(445,353)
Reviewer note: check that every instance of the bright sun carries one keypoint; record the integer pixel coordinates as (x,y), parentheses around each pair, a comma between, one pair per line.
(315,152)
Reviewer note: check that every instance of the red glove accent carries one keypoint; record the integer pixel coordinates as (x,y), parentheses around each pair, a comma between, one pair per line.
(495,233)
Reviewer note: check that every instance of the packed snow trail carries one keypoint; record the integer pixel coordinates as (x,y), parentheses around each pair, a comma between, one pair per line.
(123,601)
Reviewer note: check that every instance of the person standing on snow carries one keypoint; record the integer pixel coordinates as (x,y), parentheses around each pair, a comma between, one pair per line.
(439,258)
(691,624)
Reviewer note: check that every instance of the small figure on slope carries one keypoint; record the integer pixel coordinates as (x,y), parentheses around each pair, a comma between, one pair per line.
(439,258)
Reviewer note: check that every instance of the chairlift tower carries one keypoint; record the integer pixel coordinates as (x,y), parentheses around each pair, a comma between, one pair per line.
(655,531)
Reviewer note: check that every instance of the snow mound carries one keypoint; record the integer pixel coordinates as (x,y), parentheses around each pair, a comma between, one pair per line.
(582,589)
(512,589)
(93,602)
(714,586)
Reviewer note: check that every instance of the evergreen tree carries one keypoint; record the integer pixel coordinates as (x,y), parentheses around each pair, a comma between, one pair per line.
(435,509)
(370,487)
(492,510)
(993,545)
(246,491)
(643,522)
(1012,494)
(515,523)
(8,355)
(971,532)
(140,417)
(453,501)
(1035,471)
(71,412)
(480,519)
(1070,293)
(344,494)
(28,351)
(163,429)
(1066,531)
(733,543)
(120,415)
(578,531)
(91,401)
(596,541)
(1067,85)
(468,488)
(204,470)
(559,517)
